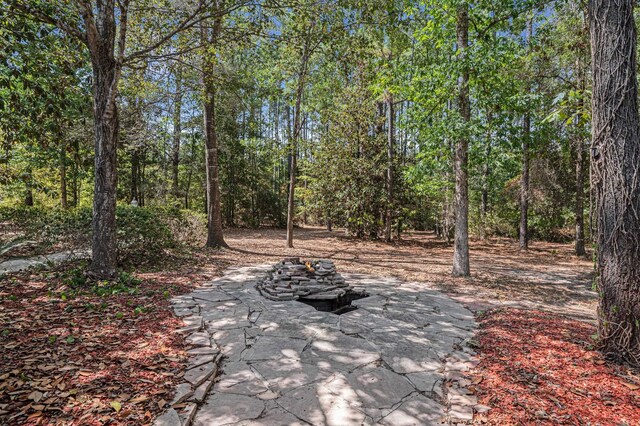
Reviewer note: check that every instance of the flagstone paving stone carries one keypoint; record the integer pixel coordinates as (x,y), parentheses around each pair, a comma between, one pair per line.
(398,359)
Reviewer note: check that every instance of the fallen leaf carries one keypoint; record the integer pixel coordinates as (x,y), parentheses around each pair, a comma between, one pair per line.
(35,396)
(138,399)
(631,386)
(116,405)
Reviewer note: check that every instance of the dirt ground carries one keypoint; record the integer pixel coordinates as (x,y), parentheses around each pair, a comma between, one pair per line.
(548,277)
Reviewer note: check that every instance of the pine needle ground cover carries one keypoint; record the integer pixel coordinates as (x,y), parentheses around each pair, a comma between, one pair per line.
(88,354)
(538,368)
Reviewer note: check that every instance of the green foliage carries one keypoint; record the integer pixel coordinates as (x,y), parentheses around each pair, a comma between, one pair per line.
(359,55)
(144,233)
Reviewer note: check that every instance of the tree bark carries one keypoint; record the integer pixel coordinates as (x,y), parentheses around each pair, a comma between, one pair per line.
(135,176)
(524,184)
(177,132)
(486,172)
(615,167)
(297,127)
(581,164)
(63,174)
(100,35)
(28,193)
(390,149)
(579,206)
(524,178)
(461,241)
(75,190)
(106,123)
(215,236)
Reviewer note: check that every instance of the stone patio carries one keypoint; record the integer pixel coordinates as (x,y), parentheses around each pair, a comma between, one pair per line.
(399,359)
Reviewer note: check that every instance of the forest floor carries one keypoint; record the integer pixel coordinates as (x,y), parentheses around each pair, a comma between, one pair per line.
(548,276)
(78,357)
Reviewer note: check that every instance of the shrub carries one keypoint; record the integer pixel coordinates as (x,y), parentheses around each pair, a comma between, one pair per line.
(186,226)
(143,233)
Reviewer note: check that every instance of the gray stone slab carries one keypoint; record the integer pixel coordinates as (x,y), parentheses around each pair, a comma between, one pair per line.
(378,389)
(416,411)
(201,391)
(193,320)
(189,329)
(405,358)
(228,408)
(199,338)
(272,347)
(338,352)
(228,323)
(231,343)
(239,378)
(203,351)
(197,361)
(425,381)
(287,374)
(274,417)
(169,418)
(461,413)
(212,295)
(182,393)
(295,329)
(188,413)
(196,376)
(316,405)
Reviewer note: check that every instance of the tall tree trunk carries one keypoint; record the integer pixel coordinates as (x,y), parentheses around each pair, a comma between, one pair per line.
(63,174)
(190,174)
(390,149)
(579,206)
(141,177)
(101,33)
(524,179)
(486,171)
(104,246)
(581,164)
(615,167)
(28,193)
(297,127)
(524,184)
(75,190)
(215,236)
(177,131)
(461,243)
(135,176)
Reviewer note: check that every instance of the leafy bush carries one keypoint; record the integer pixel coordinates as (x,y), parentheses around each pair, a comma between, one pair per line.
(48,227)
(186,226)
(143,233)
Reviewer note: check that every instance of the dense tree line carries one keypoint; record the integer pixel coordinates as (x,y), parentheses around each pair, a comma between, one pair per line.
(378,116)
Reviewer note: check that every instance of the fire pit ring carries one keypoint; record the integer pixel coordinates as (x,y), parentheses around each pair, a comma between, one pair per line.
(315,283)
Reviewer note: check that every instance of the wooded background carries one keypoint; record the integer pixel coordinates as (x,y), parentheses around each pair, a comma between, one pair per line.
(369,102)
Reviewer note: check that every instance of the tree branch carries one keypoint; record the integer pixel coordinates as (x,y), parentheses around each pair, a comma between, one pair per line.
(37,14)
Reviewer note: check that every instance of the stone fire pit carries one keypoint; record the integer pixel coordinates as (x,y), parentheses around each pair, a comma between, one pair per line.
(315,283)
